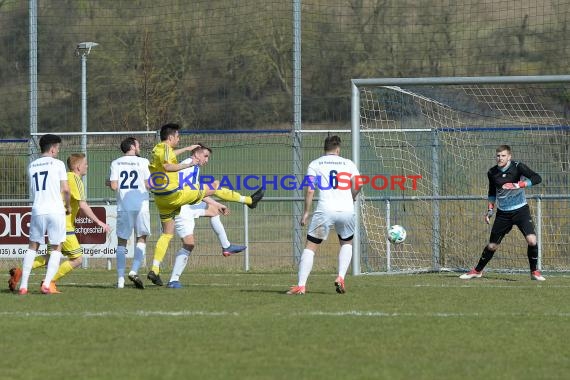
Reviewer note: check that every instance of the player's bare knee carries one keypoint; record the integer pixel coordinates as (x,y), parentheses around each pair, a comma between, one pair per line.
(531,239)
(168,227)
(188,241)
(492,247)
(75,262)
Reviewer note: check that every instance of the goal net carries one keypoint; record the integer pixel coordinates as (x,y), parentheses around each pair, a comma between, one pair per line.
(446,130)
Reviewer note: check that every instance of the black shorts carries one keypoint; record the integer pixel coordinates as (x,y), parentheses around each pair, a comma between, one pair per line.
(505,220)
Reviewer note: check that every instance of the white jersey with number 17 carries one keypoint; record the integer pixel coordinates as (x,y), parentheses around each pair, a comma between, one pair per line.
(46,174)
(325,170)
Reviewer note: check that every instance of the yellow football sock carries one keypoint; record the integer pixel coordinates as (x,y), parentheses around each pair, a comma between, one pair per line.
(160,251)
(64,268)
(232,196)
(39,261)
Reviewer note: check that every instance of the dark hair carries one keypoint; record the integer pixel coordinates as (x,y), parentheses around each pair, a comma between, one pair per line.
(47,141)
(200,148)
(168,130)
(501,148)
(331,143)
(127,144)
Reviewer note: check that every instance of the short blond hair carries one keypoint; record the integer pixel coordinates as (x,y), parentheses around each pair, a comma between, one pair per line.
(74,159)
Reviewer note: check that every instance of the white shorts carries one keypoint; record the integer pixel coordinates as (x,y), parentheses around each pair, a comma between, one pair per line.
(321,223)
(52,224)
(129,220)
(184,222)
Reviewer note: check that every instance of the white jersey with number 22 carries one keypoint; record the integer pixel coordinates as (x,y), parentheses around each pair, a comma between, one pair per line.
(131,173)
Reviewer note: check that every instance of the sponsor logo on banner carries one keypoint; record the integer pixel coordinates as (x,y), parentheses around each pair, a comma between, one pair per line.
(15,230)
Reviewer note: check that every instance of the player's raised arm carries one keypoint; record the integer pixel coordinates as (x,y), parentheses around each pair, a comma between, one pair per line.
(87,211)
(175,167)
(189,148)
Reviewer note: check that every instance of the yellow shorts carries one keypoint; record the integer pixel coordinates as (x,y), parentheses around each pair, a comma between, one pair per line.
(70,247)
(169,205)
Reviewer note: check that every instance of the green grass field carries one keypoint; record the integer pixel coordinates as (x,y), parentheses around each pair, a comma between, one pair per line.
(243,326)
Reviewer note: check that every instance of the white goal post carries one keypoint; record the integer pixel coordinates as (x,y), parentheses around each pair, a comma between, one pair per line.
(446,129)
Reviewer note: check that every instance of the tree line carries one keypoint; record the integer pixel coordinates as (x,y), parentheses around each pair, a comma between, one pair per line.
(229,64)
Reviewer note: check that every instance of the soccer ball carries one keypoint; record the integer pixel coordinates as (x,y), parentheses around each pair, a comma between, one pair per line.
(397,234)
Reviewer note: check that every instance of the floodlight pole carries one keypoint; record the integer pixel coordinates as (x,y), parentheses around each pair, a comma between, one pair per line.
(84,103)
(83,49)
(33,10)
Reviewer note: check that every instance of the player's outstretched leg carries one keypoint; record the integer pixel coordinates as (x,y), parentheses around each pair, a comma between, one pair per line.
(256,197)
(233,249)
(233,196)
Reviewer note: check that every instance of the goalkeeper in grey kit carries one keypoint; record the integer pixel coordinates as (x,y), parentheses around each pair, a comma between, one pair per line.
(507,181)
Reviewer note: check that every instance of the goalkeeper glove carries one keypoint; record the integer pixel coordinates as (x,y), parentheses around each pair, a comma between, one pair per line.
(490,212)
(514,185)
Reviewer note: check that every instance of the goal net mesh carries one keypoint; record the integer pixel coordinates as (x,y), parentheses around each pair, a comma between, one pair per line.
(448,134)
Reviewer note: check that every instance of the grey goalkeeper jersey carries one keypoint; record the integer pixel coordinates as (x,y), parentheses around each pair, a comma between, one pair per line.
(508,200)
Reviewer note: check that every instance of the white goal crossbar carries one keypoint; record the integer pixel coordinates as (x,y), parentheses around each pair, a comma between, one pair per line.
(356,127)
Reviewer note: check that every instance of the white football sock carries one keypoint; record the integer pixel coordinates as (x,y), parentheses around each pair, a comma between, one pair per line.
(27,264)
(305,266)
(344,257)
(179,264)
(140,250)
(52,266)
(121,260)
(219,229)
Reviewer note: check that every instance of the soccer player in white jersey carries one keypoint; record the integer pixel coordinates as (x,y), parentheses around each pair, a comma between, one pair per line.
(48,183)
(129,179)
(335,208)
(185,221)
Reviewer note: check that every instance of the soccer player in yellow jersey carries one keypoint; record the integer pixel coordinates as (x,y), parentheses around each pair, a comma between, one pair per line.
(77,166)
(169,195)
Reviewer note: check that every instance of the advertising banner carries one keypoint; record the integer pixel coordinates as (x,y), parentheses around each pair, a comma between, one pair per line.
(15,227)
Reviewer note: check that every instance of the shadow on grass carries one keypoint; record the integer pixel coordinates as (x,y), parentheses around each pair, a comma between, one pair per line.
(492,277)
(284,292)
(86,286)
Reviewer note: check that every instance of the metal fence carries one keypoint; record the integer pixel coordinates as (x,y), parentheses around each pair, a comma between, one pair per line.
(270,230)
